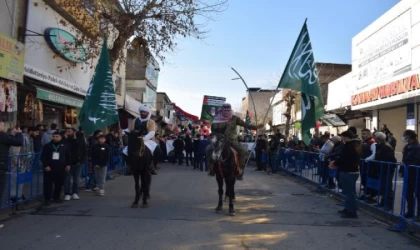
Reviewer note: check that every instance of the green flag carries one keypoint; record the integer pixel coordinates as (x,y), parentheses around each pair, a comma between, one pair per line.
(99,109)
(301,75)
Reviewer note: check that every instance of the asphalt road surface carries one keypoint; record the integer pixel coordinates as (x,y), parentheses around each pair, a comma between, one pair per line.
(272,212)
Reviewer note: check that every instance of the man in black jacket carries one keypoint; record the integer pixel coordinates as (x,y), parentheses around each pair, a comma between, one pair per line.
(273,146)
(348,164)
(6,141)
(411,157)
(78,151)
(384,153)
(188,150)
(179,149)
(56,160)
(196,145)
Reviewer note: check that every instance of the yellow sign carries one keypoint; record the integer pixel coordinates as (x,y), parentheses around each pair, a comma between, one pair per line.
(12,58)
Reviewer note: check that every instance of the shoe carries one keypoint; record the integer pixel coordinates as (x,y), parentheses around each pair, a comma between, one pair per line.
(342,211)
(361,198)
(76,197)
(349,215)
(153,172)
(408,215)
(101,192)
(67,197)
(240,178)
(96,189)
(89,190)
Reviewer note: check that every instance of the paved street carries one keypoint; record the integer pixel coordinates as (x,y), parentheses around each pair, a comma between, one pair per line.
(272,213)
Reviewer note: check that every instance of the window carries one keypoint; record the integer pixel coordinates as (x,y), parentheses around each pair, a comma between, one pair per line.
(89,6)
(118,85)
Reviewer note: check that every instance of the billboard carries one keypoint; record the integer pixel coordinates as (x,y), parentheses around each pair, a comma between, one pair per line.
(12,58)
(211,105)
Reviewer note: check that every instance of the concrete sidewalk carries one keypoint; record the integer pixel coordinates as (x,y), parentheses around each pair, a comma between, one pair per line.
(273,212)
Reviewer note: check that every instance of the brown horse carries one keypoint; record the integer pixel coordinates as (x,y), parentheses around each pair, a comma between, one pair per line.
(226,168)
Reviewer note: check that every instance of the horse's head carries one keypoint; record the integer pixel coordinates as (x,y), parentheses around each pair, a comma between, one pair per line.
(218,142)
(135,143)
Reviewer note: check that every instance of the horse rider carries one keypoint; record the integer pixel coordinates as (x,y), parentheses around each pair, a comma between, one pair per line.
(225,123)
(146,128)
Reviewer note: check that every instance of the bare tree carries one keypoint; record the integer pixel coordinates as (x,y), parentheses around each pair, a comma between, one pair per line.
(289,97)
(148,25)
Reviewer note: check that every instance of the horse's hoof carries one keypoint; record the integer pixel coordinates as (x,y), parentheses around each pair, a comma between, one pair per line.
(219,209)
(144,205)
(134,205)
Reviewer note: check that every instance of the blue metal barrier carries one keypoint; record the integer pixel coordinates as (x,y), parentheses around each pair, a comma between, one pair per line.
(24,177)
(379,179)
(23,180)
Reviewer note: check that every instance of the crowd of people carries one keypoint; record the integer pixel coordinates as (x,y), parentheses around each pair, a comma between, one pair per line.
(61,154)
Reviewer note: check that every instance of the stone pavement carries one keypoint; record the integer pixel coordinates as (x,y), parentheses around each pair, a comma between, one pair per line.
(273,212)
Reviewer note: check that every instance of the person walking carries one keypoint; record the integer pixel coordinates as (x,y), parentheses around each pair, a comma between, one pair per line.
(179,147)
(189,148)
(100,156)
(78,151)
(348,164)
(56,160)
(273,147)
(196,146)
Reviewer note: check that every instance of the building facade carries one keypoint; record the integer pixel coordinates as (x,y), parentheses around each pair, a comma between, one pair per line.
(261,99)
(12,57)
(385,71)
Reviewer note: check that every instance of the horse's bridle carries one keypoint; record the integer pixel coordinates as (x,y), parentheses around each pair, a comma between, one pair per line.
(221,148)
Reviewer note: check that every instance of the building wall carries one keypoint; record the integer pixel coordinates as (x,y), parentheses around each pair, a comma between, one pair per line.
(262,103)
(9,25)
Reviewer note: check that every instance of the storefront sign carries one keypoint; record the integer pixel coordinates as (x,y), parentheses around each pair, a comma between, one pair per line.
(53,80)
(383,50)
(12,58)
(58,98)
(65,44)
(399,87)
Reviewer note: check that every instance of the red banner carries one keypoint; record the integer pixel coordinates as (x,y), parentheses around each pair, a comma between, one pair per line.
(182,115)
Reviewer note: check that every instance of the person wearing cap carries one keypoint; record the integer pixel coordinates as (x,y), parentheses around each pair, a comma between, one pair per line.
(384,153)
(226,123)
(146,128)
(348,165)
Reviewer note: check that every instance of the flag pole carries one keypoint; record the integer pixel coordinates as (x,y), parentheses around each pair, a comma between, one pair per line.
(255,115)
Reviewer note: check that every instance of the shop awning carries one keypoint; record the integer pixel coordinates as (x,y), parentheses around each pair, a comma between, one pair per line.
(182,115)
(56,97)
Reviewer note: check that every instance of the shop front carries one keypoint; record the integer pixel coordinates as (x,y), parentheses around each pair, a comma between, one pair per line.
(40,106)
(386,70)
(57,71)
(12,56)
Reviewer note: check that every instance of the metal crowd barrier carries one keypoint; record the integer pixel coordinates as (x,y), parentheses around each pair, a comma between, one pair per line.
(23,180)
(383,186)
